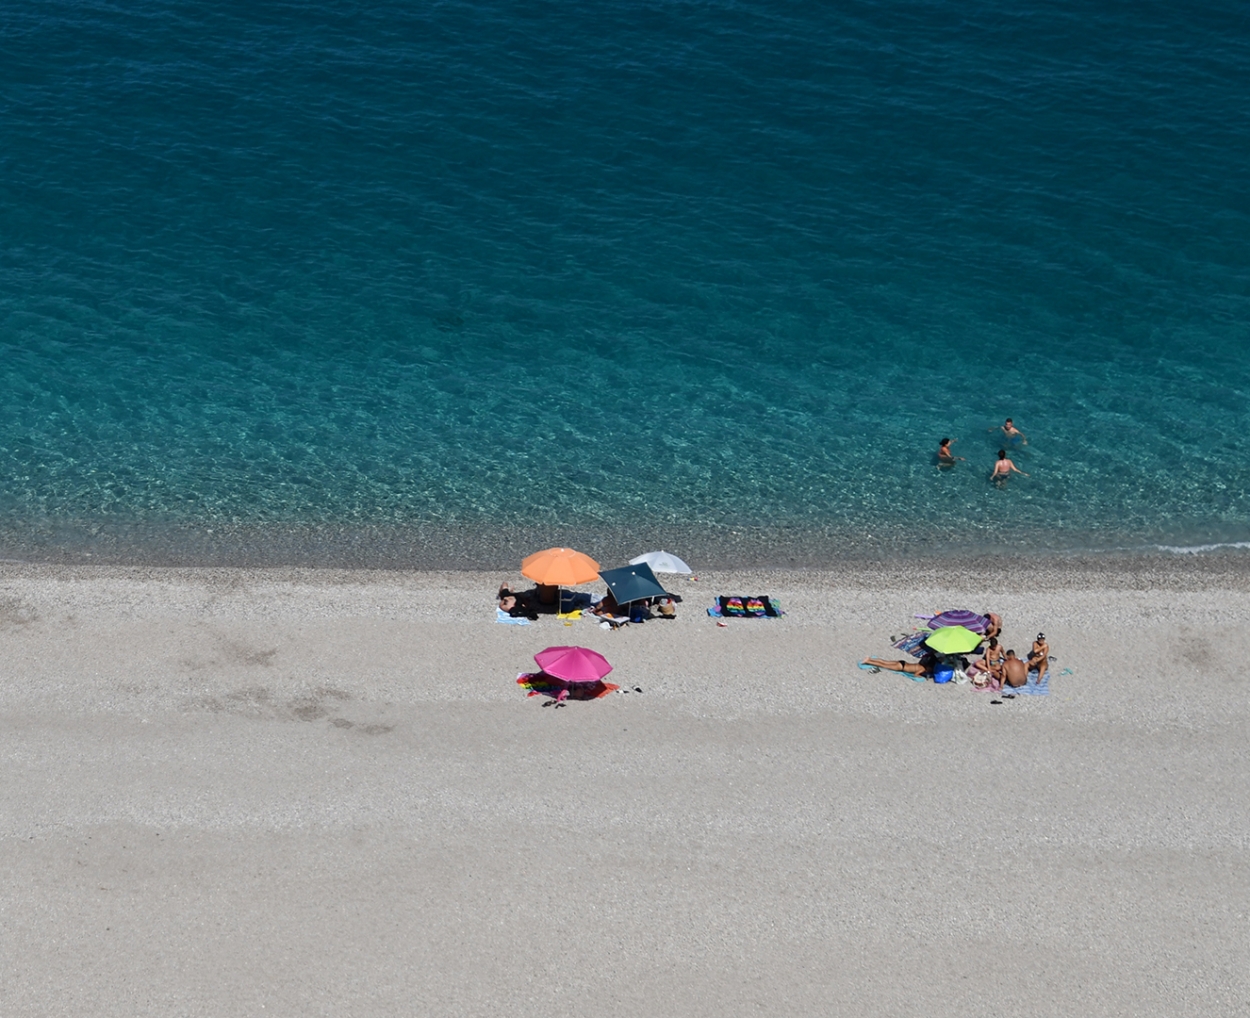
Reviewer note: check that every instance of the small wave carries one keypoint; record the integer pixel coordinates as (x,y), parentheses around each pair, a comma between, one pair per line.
(1197,549)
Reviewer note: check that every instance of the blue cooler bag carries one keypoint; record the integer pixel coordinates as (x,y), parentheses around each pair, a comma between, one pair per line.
(943,672)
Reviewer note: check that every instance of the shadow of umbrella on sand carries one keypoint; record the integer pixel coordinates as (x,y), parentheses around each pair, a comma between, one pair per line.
(569,673)
(542,684)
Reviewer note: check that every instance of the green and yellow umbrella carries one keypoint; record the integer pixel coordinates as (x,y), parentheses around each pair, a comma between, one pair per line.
(954,640)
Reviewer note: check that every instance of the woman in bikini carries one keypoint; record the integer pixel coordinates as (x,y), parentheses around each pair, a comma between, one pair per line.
(988,671)
(1039,656)
(1004,468)
(923,669)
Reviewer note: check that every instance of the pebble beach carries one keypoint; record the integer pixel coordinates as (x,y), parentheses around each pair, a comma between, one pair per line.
(318,320)
(311,792)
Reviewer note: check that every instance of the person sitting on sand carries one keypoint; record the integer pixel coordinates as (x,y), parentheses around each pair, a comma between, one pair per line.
(1039,656)
(1004,468)
(946,458)
(986,672)
(923,668)
(993,624)
(1015,671)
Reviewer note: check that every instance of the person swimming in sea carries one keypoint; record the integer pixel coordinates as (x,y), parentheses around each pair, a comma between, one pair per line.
(1004,468)
(946,458)
(1012,434)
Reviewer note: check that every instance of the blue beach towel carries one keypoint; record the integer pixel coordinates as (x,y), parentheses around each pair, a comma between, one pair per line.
(508,620)
(1033,687)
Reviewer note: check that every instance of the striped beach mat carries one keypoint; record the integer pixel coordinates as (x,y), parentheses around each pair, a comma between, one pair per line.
(761,607)
(913,643)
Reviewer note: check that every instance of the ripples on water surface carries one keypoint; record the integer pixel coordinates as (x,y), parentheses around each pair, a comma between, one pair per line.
(426,282)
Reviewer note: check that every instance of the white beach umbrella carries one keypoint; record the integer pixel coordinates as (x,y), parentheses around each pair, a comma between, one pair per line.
(662,562)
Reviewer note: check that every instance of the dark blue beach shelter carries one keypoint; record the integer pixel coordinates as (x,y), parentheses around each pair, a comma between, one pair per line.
(632,583)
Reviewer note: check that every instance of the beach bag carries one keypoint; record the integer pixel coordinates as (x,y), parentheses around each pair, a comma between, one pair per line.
(944,672)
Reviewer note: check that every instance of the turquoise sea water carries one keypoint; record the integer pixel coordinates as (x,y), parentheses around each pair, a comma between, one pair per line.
(438,283)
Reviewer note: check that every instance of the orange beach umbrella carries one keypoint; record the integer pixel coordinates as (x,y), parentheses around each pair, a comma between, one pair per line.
(560,567)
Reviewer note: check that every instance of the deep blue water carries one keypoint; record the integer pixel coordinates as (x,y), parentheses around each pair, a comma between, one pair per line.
(433,282)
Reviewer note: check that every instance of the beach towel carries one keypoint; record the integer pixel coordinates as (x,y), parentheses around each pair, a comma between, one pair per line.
(759,607)
(1033,687)
(612,621)
(911,643)
(541,684)
(508,620)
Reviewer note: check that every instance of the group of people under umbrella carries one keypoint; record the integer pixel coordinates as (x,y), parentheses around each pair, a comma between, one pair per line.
(942,648)
(633,589)
(578,673)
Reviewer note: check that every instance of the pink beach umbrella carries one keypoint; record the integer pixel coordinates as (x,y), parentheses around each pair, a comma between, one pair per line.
(573,664)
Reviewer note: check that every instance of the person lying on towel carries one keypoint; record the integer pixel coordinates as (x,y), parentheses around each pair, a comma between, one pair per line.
(924,667)
(516,604)
(607,606)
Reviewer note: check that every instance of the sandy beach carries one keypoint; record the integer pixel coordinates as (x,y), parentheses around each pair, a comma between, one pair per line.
(233,792)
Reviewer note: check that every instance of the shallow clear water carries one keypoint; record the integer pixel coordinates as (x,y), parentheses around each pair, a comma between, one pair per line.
(427,283)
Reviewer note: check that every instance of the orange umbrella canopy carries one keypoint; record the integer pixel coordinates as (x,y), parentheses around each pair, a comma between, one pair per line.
(560,567)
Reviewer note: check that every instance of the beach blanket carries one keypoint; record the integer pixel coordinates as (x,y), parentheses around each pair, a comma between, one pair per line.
(760,607)
(508,620)
(911,643)
(541,684)
(1033,687)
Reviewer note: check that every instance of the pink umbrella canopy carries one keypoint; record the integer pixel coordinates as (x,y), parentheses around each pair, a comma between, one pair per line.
(573,664)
